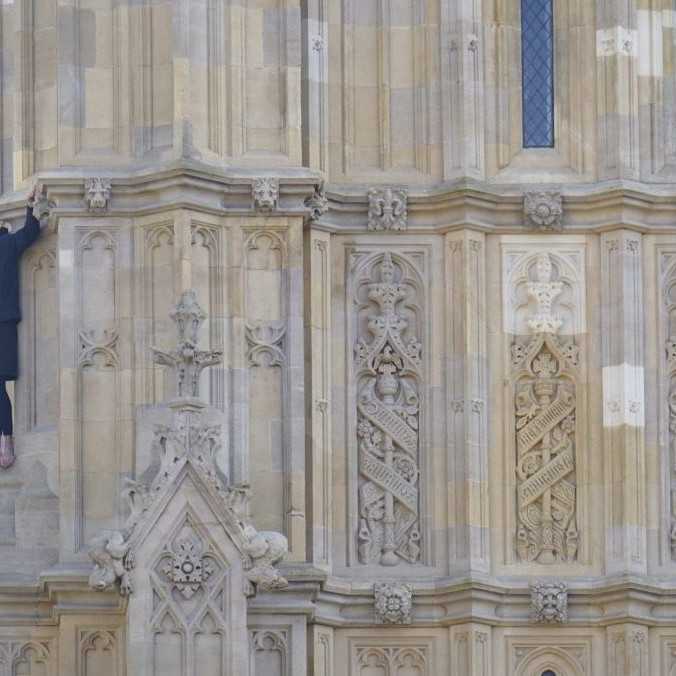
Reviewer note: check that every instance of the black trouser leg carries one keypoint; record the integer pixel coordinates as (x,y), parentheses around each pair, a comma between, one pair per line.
(6,426)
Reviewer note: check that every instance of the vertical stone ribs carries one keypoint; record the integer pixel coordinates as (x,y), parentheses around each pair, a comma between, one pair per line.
(669,293)
(544,375)
(388,375)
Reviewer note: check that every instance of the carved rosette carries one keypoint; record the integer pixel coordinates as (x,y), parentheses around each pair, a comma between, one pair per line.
(545,368)
(388,209)
(543,210)
(388,371)
(549,602)
(185,567)
(393,603)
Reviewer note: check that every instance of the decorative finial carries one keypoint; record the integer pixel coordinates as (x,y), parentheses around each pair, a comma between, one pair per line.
(186,359)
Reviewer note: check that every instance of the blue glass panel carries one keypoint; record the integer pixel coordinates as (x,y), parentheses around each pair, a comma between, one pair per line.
(537,64)
(549,672)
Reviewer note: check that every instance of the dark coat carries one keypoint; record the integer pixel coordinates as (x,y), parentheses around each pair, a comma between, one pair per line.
(11,247)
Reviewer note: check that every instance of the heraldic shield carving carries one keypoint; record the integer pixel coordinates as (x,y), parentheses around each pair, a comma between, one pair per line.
(388,362)
(545,402)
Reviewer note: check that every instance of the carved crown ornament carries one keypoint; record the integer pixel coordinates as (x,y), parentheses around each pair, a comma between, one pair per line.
(188,444)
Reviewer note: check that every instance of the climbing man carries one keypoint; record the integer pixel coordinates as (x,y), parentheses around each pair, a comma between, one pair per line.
(12,245)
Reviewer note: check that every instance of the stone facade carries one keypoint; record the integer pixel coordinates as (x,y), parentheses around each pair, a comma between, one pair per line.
(322,372)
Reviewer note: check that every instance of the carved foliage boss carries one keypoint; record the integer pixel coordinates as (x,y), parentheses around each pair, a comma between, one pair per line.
(544,368)
(388,376)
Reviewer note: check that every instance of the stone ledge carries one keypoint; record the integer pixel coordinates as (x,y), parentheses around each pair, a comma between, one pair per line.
(484,206)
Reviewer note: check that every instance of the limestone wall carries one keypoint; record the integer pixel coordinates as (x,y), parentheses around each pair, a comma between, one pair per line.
(448,362)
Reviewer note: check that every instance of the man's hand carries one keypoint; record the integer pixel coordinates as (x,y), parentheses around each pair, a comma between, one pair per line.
(32,196)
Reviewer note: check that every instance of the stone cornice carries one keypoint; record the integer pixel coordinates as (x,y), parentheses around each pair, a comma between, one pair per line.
(340,603)
(491,208)
(499,209)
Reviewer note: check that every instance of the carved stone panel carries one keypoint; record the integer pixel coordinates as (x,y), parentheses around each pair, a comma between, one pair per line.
(266,315)
(540,306)
(669,360)
(392,661)
(270,652)
(39,332)
(387,297)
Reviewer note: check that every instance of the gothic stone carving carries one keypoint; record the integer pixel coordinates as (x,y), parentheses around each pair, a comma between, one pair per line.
(104,345)
(187,568)
(266,343)
(545,405)
(113,562)
(411,659)
(543,209)
(549,602)
(388,376)
(394,603)
(317,204)
(669,299)
(266,193)
(187,360)
(42,206)
(187,440)
(266,549)
(388,209)
(97,193)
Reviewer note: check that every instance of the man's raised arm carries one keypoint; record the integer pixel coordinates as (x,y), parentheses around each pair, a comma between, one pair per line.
(31,230)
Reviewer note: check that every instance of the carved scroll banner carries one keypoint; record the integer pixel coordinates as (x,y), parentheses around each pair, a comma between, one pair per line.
(387,361)
(544,367)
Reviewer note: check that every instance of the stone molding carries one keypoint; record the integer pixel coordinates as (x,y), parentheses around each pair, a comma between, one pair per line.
(590,207)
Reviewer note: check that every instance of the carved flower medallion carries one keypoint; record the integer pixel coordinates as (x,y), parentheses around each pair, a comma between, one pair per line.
(394,603)
(543,209)
(188,569)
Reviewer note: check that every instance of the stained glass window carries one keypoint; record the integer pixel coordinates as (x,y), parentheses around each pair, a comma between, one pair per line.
(549,672)
(537,72)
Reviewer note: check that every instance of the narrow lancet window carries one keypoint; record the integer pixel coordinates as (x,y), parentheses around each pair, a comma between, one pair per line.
(537,72)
